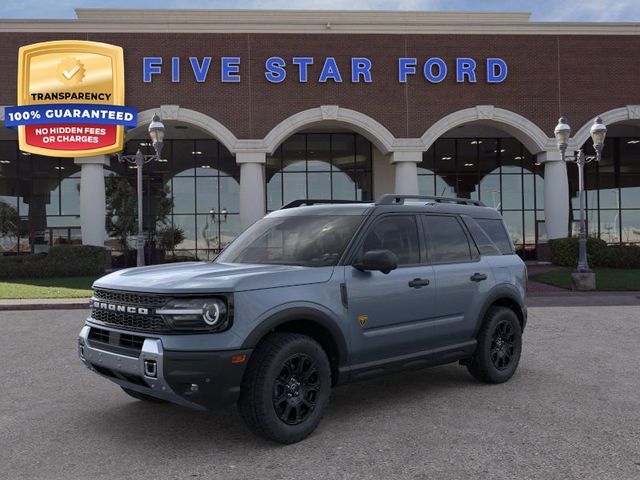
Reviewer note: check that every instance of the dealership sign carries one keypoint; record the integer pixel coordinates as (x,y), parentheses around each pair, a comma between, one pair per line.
(323,70)
(70,99)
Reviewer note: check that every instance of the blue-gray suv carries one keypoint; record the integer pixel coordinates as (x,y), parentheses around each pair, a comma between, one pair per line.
(316,294)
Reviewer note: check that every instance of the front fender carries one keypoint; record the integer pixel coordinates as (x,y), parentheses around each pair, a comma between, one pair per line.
(313,312)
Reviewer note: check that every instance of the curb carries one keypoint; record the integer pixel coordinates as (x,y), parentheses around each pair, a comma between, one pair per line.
(77,305)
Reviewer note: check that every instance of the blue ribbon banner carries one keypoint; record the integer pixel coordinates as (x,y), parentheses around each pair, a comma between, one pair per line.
(70,113)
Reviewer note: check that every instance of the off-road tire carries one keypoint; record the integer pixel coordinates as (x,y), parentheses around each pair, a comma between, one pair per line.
(499,347)
(273,383)
(142,396)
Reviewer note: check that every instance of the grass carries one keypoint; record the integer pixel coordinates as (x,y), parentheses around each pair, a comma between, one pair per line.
(57,287)
(607,279)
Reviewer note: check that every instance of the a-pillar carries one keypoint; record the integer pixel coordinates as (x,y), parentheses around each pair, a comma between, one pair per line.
(556,195)
(92,199)
(406,166)
(252,187)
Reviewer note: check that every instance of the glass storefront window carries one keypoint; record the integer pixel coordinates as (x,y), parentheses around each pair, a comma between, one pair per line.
(319,166)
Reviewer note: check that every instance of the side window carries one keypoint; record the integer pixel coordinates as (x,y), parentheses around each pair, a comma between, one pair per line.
(496,231)
(398,233)
(483,242)
(447,241)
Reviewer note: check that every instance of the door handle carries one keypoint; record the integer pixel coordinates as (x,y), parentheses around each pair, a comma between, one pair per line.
(478,277)
(418,282)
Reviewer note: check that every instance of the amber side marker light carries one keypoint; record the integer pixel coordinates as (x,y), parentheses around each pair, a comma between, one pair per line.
(238,358)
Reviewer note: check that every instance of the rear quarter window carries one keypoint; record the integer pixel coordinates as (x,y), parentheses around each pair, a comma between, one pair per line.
(495,229)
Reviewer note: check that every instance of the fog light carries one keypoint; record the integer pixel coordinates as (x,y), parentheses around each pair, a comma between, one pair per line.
(150,369)
(194,388)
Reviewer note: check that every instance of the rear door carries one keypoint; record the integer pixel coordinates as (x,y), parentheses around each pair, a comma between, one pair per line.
(389,314)
(462,277)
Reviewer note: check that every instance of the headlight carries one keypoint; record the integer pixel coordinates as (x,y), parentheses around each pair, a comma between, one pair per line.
(210,314)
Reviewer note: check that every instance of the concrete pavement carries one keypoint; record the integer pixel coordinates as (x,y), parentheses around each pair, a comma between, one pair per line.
(571,411)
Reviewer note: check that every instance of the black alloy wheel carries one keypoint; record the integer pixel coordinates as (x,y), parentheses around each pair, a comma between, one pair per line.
(502,345)
(499,346)
(296,389)
(286,387)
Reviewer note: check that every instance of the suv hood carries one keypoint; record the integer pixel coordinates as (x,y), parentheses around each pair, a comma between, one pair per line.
(205,277)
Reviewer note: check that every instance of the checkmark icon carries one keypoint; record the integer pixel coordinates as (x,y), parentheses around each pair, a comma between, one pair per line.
(71,73)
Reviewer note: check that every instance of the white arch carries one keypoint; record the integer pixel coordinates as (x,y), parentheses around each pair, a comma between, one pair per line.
(531,136)
(630,112)
(382,138)
(197,119)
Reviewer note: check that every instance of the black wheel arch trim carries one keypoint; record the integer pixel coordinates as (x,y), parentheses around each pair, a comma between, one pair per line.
(498,293)
(309,314)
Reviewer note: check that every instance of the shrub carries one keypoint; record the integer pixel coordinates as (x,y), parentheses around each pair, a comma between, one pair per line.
(61,261)
(564,252)
(618,256)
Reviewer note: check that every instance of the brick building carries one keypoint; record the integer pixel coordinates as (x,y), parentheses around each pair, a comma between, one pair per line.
(263,107)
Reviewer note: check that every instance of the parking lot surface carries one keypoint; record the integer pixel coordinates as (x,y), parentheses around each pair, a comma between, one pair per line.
(571,411)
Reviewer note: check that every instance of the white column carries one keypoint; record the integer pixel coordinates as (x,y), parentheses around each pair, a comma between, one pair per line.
(406,165)
(92,199)
(252,187)
(556,195)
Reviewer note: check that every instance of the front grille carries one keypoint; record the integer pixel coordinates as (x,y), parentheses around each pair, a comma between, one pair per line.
(130,298)
(130,321)
(127,320)
(116,342)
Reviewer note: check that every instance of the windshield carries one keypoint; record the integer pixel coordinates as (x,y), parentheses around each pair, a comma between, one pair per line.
(310,241)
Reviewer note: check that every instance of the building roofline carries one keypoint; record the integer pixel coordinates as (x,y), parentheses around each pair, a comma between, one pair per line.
(96,20)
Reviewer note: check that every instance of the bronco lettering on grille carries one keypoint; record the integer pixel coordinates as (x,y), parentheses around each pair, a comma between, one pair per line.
(119,308)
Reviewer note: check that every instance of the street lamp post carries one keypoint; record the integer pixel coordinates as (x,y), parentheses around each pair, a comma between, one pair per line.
(562,133)
(156,133)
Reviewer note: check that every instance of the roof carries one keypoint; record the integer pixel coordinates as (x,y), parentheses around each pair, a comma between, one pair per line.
(160,21)
(362,208)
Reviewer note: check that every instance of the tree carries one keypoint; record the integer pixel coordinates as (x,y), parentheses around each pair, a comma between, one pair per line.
(9,220)
(169,237)
(122,208)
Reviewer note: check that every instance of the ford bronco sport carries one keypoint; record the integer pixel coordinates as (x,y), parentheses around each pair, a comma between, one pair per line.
(314,295)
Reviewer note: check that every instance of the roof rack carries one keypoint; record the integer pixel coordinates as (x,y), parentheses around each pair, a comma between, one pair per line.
(307,202)
(391,199)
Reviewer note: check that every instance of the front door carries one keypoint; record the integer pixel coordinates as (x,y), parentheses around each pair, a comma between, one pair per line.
(389,314)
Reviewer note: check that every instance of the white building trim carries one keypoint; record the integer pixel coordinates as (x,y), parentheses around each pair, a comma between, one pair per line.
(331,114)
(622,114)
(531,136)
(192,117)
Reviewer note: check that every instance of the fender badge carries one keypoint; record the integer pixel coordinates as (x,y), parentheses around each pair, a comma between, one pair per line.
(363,319)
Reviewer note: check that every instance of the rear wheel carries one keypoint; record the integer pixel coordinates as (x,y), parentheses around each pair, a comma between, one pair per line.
(142,396)
(286,388)
(499,347)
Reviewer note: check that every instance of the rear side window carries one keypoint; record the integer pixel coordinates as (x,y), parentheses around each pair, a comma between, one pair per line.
(447,242)
(483,242)
(496,231)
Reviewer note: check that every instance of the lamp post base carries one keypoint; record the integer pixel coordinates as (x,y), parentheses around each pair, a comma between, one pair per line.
(583,281)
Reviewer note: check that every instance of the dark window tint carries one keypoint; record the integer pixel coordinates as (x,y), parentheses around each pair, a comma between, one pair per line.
(483,242)
(447,241)
(398,234)
(496,231)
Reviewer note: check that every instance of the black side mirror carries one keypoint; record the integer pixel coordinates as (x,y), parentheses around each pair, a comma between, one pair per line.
(377,260)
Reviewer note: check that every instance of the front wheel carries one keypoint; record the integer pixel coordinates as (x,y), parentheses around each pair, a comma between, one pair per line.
(499,347)
(286,388)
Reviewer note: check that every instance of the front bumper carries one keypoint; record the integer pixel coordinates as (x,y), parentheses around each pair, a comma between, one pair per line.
(199,380)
